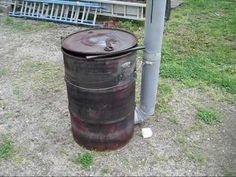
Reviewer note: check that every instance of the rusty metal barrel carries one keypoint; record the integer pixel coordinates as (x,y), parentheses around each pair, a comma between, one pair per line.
(100,77)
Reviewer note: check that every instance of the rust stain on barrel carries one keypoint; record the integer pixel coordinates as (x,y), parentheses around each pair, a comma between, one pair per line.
(101,96)
(95,39)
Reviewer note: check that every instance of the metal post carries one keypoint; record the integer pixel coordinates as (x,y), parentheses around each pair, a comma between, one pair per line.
(154,28)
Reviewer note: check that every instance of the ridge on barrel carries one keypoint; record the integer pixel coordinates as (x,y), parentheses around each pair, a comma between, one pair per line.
(101,91)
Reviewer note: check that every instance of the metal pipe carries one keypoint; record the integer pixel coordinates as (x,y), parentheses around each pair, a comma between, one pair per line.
(154,28)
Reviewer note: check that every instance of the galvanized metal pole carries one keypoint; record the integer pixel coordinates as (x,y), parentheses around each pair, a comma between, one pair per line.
(154,28)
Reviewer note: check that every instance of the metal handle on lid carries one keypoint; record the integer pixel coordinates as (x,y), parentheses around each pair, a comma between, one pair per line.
(115,53)
(108,46)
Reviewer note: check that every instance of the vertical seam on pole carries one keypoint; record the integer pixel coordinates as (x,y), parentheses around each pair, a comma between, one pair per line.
(152,11)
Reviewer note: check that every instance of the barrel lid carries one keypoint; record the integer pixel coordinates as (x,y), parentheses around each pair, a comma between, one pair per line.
(99,41)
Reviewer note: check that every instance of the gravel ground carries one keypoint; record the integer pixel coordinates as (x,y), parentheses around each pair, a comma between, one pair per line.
(33,96)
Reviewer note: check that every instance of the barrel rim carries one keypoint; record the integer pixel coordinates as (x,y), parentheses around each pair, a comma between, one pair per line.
(92,122)
(89,54)
(80,58)
(121,86)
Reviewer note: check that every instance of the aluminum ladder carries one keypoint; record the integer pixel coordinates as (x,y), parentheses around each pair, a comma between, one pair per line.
(73,12)
(122,9)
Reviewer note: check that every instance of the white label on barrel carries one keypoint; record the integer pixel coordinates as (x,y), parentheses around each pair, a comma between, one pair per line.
(126,65)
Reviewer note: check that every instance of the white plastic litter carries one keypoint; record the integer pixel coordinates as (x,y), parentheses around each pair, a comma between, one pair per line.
(147,133)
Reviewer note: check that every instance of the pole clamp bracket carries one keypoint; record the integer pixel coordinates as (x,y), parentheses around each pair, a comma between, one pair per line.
(151,58)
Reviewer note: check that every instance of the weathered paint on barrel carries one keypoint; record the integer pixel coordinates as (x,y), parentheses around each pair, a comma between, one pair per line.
(101,95)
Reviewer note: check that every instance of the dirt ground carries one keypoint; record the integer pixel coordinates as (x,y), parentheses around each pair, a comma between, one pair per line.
(33,111)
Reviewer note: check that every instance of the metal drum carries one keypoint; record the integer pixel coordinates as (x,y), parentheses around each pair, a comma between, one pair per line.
(100,76)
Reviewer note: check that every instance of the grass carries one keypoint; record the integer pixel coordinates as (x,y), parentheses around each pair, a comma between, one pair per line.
(194,155)
(6,146)
(198,45)
(137,28)
(198,126)
(216,94)
(17,160)
(183,140)
(3,72)
(22,25)
(43,78)
(8,115)
(209,116)
(198,51)
(86,160)
(190,150)
(229,171)
(126,162)
(157,159)
(17,92)
(195,48)
(231,99)
(46,76)
(173,120)
(164,96)
(105,170)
